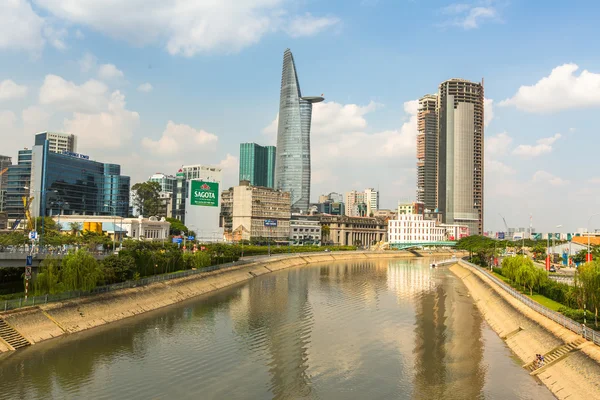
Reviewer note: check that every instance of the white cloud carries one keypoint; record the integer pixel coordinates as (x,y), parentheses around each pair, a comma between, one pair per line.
(145,88)
(342,146)
(187,27)
(180,137)
(498,145)
(79,35)
(546,177)
(87,62)
(231,168)
(561,90)
(308,25)
(543,146)
(111,128)
(469,16)
(56,37)
(488,111)
(20,26)
(10,90)
(109,71)
(35,119)
(67,96)
(495,166)
(8,121)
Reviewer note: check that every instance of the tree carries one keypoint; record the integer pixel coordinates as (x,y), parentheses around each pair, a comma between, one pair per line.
(75,228)
(80,271)
(589,277)
(177,227)
(47,223)
(147,198)
(118,268)
(325,232)
(47,280)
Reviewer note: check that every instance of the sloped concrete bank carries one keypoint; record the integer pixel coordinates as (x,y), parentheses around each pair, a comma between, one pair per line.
(527,333)
(48,321)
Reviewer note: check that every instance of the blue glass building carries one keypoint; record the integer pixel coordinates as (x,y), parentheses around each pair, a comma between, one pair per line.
(18,177)
(292,161)
(72,184)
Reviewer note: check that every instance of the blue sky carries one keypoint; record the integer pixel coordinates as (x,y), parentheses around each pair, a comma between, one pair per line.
(211,72)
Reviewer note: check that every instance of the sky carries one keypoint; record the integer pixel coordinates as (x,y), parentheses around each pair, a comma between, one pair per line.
(156,84)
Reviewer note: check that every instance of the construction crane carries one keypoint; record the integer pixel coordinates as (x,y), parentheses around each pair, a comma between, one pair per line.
(505,225)
(26,204)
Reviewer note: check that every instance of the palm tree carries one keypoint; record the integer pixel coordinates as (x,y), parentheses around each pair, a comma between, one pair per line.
(75,228)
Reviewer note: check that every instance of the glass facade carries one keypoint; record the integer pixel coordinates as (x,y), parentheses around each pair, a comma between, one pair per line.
(59,142)
(70,185)
(166,182)
(292,165)
(5,162)
(257,164)
(18,177)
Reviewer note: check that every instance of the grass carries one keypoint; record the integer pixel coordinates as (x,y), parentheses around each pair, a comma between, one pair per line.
(543,300)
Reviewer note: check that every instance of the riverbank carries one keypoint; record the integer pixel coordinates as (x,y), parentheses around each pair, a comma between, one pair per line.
(52,320)
(528,333)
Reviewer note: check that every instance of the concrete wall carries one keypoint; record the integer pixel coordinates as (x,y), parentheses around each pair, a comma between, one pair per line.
(574,377)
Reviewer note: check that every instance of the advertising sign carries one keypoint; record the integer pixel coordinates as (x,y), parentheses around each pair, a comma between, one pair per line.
(204,194)
(557,236)
(28,273)
(536,236)
(501,235)
(177,240)
(29,261)
(569,236)
(271,223)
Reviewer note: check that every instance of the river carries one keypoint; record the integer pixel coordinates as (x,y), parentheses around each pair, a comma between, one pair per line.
(350,330)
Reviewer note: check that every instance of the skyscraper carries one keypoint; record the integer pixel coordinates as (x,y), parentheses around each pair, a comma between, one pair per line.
(5,162)
(460,153)
(292,161)
(427,157)
(58,142)
(372,200)
(257,164)
(166,182)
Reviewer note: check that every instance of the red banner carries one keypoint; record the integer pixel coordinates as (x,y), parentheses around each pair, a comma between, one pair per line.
(548,262)
(588,257)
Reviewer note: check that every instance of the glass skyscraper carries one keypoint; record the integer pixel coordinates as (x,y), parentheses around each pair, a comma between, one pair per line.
(71,184)
(292,161)
(18,177)
(257,164)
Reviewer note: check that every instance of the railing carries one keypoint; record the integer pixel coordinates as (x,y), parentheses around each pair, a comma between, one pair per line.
(568,323)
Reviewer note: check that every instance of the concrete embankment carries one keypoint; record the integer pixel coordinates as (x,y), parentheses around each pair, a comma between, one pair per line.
(574,375)
(48,321)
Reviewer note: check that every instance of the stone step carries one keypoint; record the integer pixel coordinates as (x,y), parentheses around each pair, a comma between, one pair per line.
(10,336)
(553,356)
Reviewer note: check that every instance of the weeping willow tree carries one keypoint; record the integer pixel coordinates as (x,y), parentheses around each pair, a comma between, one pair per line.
(47,280)
(80,271)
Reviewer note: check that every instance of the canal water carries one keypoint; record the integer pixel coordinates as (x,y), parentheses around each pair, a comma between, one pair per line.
(349,330)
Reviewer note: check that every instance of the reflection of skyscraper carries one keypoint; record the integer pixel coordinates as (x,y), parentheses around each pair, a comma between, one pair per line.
(292,163)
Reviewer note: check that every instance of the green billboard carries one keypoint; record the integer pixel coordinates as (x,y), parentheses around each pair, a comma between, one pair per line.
(204,194)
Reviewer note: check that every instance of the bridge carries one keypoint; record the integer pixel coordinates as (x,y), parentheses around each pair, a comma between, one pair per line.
(19,259)
(404,246)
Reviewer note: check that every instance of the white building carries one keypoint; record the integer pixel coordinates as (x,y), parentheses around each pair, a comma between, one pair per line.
(166,182)
(372,200)
(355,201)
(412,228)
(150,229)
(57,142)
(456,232)
(304,231)
(203,172)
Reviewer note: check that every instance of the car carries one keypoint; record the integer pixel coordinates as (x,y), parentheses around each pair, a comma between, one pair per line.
(552,268)
(327,250)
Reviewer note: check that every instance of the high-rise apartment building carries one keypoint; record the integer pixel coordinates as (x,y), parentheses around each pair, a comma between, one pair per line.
(18,177)
(257,164)
(460,153)
(371,200)
(292,165)
(5,162)
(58,142)
(166,182)
(427,155)
(356,205)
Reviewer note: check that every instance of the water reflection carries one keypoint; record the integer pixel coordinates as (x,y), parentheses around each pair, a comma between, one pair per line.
(351,330)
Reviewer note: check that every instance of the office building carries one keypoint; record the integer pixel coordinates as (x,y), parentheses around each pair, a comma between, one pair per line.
(292,165)
(70,183)
(200,171)
(305,231)
(166,182)
(427,155)
(57,142)
(17,187)
(257,164)
(356,205)
(460,153)
(372,201)
(255,213)
(333,197)
(5,162)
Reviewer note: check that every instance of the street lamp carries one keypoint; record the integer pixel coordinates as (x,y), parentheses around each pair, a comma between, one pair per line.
(589,252)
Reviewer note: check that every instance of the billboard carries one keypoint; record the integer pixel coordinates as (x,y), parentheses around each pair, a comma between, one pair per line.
(557,236)
(270,223)
(500,235)
(536,236)
(204,194)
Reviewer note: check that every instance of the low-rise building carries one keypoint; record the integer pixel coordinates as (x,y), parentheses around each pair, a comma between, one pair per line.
(305,231)
(455,232)
(140,228)
(413,228)
(255,213)
(349,231)
(415,207)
